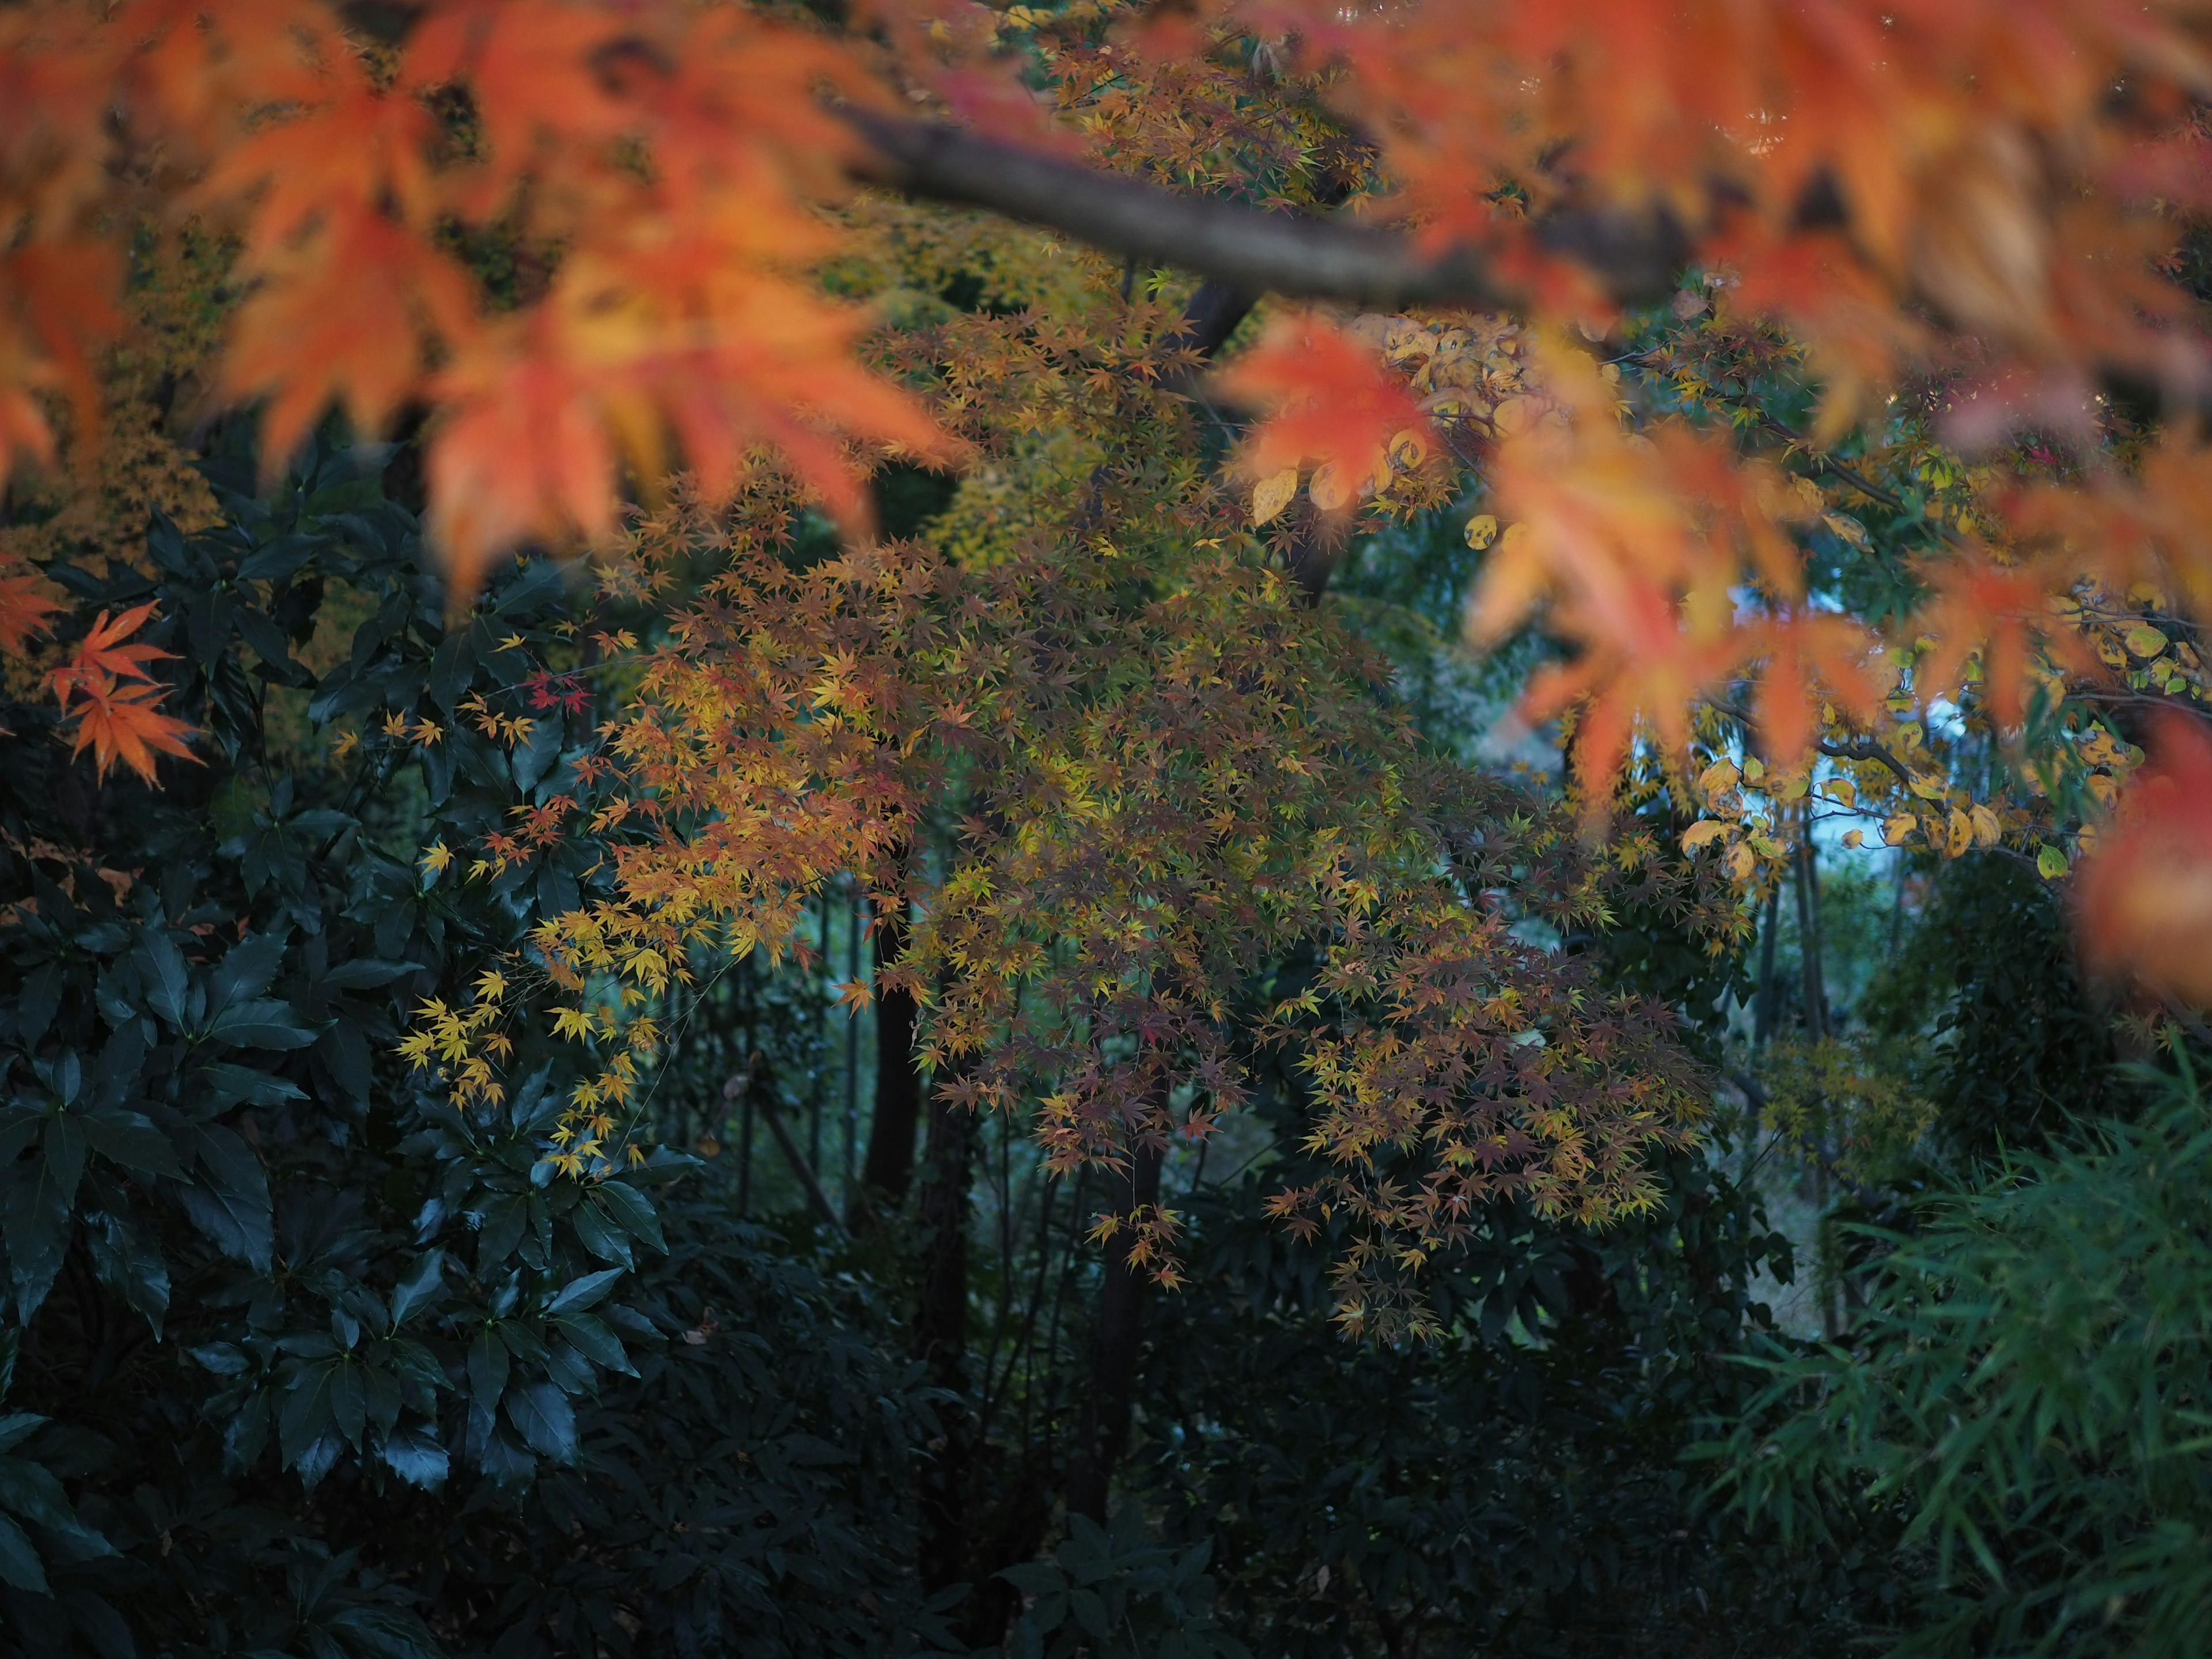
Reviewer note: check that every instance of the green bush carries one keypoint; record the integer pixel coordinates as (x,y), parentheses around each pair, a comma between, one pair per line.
(298,1357)
(2019,1422)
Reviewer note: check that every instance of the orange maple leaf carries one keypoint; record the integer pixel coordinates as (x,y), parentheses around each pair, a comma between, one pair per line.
(1328,399)
(117,721)
(102,656)
(2146,892)
(120,723)
(23,609)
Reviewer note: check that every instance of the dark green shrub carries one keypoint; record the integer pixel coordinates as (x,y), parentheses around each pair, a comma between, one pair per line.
(2018,1421)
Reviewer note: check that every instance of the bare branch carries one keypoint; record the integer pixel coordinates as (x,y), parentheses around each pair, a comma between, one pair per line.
(1246,248)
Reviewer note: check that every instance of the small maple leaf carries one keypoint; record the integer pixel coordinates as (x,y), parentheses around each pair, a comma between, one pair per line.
(120,723)
(102,655)
(23,609)
(1328,400)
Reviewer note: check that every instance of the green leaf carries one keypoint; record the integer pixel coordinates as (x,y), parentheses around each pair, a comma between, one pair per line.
(130,1139)
(593,1338)
(546,1419)
(2050,864)
(231,1206)
(579,1294)
(379,1631)
(131,1264)
(451,668)
(350,1402)
(367,973)
(632,1211)
(229,1084)
(19,1562)
(161,966)
(35,1196)
(258,1026)
(417,1286)
(488,1364)
(305,1415)
(598,1235)
(246,971)
(414,1455)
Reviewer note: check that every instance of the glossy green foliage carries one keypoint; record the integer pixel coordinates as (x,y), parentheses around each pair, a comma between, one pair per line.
(298,1357)
(2018,1421)
(1115,1592)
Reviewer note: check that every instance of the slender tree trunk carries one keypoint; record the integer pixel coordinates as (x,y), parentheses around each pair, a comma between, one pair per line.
(1762,1026)
(940,1337)
(1816,1028)
(1808,935)
(1103,1433)
(888,1169)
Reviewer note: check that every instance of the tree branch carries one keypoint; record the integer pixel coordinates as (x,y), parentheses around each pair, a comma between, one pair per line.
(1252,249)
(1633,255)
(1868,750)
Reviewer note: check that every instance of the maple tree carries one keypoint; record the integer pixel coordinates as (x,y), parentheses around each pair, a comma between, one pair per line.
(1818,381)
(1940,197)
(1961,215)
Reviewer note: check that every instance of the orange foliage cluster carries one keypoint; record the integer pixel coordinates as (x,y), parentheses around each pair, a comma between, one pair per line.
(1914,192)
(671,157)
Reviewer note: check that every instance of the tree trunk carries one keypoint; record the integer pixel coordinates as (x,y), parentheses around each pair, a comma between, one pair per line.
(1808,935)
(1103,1433)
(889,1168)
(940,1337)
(1762,1026)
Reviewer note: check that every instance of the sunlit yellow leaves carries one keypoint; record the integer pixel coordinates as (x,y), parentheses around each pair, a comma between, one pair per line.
(1481,530)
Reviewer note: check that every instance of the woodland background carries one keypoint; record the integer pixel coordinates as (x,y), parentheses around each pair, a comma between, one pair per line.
(318,1347)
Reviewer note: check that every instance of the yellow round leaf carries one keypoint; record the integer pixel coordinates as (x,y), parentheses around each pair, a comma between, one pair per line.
(1329,489)
(1481,530)
(1516,415)
(2145,640)
(1720,776)
(1408,448)
(1273,493)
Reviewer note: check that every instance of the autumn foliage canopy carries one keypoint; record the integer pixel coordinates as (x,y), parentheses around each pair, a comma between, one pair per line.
(1961,228)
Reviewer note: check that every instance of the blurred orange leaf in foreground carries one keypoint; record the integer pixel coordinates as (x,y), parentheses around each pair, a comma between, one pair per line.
(2146,895)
